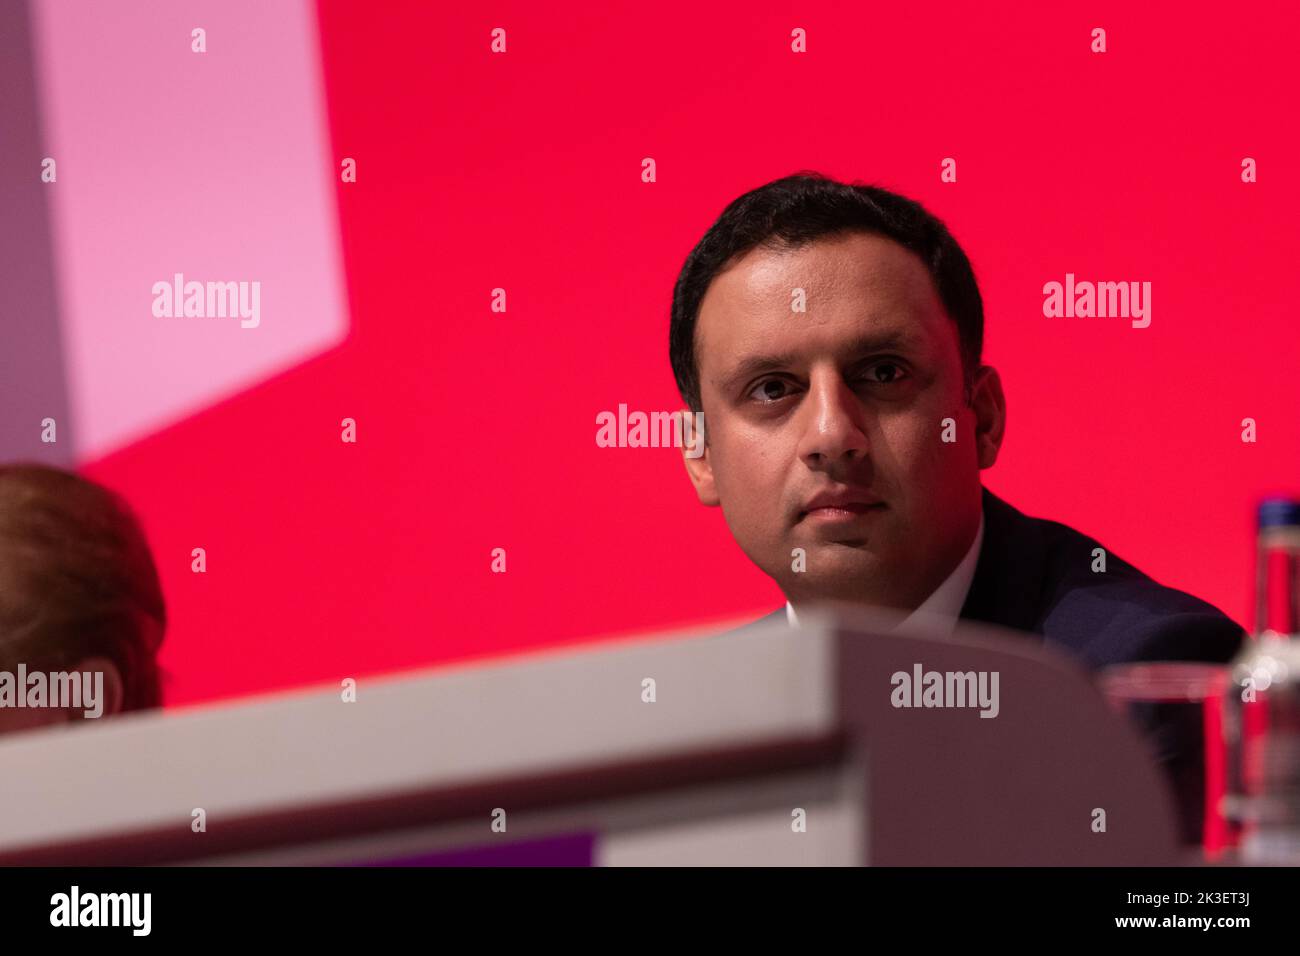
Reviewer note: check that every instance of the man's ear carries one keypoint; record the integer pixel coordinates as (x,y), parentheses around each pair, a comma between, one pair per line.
(114,689)
(990,407)
(695,454)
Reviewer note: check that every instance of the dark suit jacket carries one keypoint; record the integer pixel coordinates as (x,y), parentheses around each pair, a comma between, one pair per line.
(1036,576)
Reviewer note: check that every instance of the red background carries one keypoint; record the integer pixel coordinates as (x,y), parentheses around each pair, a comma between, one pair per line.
(476,430)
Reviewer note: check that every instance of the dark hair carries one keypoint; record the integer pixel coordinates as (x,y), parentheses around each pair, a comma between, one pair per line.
(77,580)
(798,209)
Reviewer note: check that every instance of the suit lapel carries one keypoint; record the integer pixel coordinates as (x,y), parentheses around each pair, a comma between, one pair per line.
(1008,582)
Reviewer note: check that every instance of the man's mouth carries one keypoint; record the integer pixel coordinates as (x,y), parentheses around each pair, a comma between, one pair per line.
(841,505)
(840,513)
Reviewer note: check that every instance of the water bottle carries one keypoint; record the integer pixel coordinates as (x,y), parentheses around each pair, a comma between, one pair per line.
(1262,705)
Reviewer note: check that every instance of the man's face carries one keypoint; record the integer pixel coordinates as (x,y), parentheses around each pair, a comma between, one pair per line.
(825,427)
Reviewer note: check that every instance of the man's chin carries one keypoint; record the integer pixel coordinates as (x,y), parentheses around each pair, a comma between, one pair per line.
(836,572)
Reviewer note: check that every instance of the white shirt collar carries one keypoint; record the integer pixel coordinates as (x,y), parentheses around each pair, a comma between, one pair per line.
(943,607)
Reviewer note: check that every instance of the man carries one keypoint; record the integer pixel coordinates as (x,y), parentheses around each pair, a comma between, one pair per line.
(79,595)
(832,335)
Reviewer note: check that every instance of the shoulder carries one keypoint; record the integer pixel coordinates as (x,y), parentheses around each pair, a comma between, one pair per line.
(1112,612)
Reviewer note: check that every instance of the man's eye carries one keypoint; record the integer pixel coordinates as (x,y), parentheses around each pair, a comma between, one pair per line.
(893,372)
(772,390)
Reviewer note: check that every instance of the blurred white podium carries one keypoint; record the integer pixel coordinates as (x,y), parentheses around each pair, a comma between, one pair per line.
(768,747)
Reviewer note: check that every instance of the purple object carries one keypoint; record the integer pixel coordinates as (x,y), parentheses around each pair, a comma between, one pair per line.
(574,849)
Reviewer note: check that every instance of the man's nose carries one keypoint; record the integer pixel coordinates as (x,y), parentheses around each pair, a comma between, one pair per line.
(834,424)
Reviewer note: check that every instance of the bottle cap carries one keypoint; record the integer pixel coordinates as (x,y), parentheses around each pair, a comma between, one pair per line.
(1279,512)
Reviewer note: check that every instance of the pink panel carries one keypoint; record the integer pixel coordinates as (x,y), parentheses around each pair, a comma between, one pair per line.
(216,165)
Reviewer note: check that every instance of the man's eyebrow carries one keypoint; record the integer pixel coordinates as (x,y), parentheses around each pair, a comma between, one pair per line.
(894,340)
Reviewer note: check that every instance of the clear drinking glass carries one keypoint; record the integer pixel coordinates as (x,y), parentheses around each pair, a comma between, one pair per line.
(1178,708)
